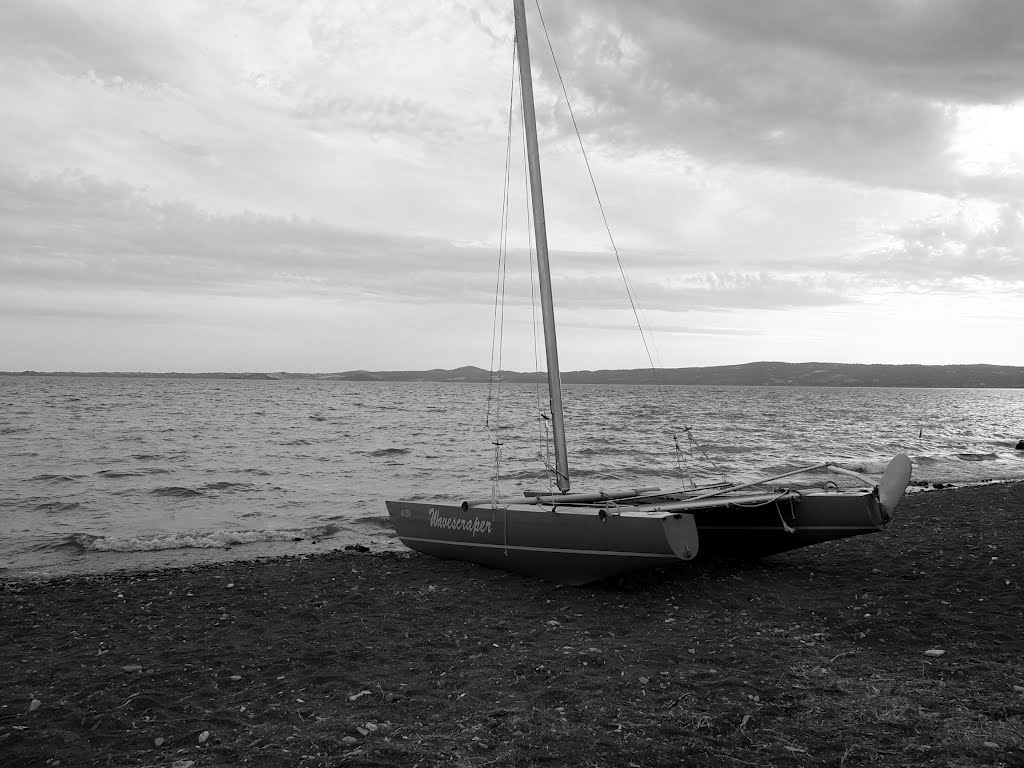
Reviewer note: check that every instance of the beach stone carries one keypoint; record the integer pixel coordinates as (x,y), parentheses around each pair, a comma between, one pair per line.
(934,652)
(204,736)
(159,741)
(183,764)
(34,705)
(1020,445)
(1019,688)
(990,745)
(348,741)
(132,668)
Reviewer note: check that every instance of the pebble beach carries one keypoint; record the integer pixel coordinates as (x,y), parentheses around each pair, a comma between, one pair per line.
(902,648)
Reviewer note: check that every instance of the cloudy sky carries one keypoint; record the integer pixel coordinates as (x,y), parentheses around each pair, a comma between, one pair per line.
(317,186)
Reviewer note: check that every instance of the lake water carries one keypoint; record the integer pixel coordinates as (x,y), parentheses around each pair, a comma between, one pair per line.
(101,473)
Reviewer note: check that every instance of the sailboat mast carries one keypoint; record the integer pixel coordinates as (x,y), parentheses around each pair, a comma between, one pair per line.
(541,235)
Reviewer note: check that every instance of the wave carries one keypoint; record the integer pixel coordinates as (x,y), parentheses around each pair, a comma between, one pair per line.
(226,485)
(931,459)
(380,521)
(865,466)
(156,542)
(140,472)
(390,452)
(609,450)
(56,478)
(976,456)
(177,492)
(14,430)
(724,449)
(54,507)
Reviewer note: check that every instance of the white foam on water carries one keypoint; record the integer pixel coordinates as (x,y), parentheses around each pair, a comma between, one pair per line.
(196,539)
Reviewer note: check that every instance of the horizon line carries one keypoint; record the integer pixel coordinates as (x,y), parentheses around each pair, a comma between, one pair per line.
(266,372)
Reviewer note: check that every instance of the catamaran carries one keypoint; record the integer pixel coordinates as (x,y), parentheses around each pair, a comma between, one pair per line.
(575,538)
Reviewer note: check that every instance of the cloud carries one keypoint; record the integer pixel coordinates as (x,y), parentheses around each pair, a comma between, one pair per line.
(861,91)
(700,291)
(111,40)
(77,232)
(951,50)
(73,232)
(978,247)
(257,169)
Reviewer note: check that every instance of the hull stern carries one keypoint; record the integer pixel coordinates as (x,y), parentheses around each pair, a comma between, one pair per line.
(567,547)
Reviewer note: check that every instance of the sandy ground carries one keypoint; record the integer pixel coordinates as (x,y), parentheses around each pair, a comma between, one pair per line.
(825,656)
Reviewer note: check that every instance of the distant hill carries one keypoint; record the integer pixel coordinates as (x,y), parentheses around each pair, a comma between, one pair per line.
(820,375)
(148,375)
(751,374)
(748,374)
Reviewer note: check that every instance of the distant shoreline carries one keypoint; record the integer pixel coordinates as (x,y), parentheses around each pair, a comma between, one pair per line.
(973,376)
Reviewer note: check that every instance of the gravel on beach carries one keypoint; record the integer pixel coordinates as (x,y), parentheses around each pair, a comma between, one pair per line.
(904,648)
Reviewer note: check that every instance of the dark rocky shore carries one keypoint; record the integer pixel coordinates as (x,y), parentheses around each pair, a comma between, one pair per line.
(904,648)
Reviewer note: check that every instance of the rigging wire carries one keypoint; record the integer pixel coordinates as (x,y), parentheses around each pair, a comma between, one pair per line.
(630,291)
(498,327)
(493,417)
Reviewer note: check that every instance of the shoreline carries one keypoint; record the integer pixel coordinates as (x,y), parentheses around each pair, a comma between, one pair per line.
(761,373)
(825,655)
(86,564)
(131,561)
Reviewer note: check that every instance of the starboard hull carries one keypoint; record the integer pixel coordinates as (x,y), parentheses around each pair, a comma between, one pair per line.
(813,518)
